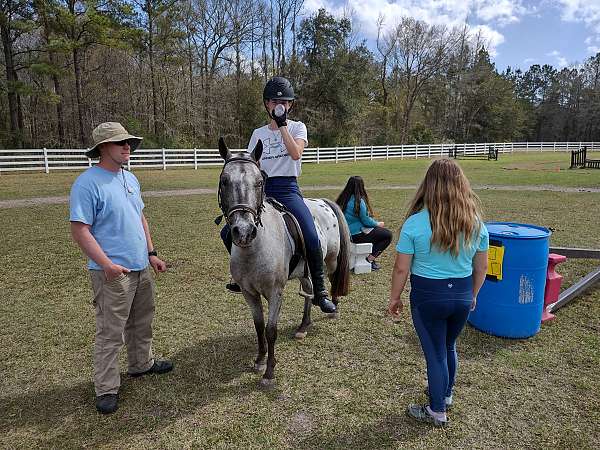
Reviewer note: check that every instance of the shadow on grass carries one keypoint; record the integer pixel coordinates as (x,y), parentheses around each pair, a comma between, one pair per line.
(391,431)
(65,416)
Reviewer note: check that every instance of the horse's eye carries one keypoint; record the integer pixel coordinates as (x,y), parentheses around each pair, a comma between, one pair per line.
(260,183)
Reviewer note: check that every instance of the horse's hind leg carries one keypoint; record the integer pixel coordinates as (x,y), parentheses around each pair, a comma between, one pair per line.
(268,378)
(256,307)
(306,292)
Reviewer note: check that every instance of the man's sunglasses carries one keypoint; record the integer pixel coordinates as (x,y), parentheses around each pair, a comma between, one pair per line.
(122,143)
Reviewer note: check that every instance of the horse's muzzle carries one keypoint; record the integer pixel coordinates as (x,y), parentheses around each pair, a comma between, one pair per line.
(243,234)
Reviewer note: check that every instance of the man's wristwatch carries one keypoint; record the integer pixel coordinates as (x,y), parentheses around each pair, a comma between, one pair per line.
(152,253)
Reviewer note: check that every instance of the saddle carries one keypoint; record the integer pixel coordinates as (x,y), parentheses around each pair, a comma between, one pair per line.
(293,228)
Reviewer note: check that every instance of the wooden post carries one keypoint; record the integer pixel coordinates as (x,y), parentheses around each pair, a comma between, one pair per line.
(164,159)
(195,159)
(354,153)
(318,155)
(387,152)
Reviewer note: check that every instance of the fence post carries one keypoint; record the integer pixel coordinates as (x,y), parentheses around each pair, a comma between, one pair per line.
(195,159)
(129,162)
(354,154)
(318,155)
(371,153)
(429,151)
(526,146)
(554,146)
(387,152)
(401,151)
(46,165)
(164,159)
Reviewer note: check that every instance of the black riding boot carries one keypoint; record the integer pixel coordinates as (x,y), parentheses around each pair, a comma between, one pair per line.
(321,296)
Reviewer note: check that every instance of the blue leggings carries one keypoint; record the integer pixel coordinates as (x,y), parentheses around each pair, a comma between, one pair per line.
(286,191)
(440,309)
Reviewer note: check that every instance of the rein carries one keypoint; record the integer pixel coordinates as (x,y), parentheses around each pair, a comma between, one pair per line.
(256,212)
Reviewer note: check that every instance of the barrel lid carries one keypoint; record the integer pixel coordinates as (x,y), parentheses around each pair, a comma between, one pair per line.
(516,230)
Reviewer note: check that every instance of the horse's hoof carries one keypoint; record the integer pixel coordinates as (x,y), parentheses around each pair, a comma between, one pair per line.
(267,383)
(333,315)
(259,368)
(300,335)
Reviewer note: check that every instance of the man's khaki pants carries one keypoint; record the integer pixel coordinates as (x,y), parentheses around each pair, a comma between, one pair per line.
(124,312)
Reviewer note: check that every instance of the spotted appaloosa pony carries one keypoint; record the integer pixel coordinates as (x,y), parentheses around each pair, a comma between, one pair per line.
(262,249)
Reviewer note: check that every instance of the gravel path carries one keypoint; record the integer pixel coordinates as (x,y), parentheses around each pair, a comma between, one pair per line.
(19,203)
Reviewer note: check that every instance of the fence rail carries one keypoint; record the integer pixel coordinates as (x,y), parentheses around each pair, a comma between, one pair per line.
(74,159)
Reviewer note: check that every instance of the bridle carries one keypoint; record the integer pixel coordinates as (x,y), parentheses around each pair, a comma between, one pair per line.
(255,212)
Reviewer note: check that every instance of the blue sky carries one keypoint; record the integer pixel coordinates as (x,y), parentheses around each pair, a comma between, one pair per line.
(519,32)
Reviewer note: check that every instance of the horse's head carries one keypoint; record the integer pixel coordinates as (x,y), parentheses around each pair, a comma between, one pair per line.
(241,192)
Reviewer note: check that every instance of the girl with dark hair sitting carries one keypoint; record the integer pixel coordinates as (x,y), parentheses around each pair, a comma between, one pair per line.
(354,201)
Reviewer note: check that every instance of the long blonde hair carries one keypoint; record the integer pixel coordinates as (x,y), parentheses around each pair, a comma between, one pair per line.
(454,209)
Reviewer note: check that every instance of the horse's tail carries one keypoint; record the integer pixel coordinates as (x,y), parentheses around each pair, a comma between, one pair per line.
(340,280)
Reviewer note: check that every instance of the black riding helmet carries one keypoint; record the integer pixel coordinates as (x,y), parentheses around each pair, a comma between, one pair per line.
(278,88)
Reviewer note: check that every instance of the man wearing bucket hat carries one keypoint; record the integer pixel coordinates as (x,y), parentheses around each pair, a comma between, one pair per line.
(108,224)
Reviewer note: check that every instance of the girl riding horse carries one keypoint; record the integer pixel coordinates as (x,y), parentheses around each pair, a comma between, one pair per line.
(283,144)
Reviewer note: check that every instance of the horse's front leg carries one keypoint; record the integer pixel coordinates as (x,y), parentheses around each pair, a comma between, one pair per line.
(306,292)
(256,307)
(268,378)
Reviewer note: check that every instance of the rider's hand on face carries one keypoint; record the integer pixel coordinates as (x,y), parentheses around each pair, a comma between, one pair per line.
(279,115)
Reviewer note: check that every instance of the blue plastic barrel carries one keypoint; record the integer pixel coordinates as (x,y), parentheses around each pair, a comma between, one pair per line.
(511,300)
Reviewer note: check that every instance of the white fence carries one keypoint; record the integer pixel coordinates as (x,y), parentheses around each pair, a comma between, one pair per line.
(61,159)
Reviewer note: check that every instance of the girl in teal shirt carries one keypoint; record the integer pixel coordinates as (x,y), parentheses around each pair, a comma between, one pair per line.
(354,201)
(443,246)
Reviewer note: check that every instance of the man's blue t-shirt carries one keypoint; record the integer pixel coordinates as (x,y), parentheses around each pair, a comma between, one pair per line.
(111,203)
(428,261)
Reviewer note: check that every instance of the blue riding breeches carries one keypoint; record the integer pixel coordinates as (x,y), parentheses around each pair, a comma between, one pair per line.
(440,309)
(286,191)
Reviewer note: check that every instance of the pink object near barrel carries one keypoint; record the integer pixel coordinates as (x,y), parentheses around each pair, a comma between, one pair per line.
(553,282)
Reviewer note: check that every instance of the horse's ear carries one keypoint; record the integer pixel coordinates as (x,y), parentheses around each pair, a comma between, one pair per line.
(223,150)
(257,152)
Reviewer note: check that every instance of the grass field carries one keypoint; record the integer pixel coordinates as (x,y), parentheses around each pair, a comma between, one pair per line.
(345,386)
(511,169)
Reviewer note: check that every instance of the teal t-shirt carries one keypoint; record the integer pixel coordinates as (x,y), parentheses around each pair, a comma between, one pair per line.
(355,223)
(111,203)
(429,262)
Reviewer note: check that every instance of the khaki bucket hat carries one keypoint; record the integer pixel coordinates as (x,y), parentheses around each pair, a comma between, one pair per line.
(111,132)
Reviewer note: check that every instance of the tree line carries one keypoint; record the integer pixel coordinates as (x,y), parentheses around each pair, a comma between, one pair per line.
(181,73)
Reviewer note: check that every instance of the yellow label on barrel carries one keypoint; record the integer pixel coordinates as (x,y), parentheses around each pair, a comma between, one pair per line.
(495,257)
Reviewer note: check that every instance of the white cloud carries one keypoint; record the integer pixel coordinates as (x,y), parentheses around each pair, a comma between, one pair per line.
(484,16)
(587,11)
(561,61)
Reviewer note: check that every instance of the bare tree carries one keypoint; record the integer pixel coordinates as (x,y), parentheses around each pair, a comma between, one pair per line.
(421,51)
(385,46)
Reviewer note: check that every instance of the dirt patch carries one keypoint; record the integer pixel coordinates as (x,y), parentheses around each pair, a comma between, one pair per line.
(21,203)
